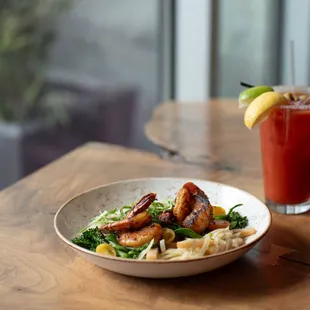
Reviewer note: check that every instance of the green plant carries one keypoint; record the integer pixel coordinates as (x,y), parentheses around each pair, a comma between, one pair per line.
(27,29)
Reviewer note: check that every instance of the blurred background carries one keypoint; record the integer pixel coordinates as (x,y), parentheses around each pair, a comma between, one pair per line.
(73,71)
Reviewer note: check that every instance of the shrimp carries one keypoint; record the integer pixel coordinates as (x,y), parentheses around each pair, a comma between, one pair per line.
(183,202)
(200,218)
(136,239)
(132,223)
(192,208)
(142,204)
(136,218)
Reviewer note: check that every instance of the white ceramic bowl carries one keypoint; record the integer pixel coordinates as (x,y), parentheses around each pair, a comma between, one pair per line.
(77,212)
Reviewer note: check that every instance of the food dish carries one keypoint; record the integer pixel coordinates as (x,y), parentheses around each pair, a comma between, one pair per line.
(183,228)
(75,215)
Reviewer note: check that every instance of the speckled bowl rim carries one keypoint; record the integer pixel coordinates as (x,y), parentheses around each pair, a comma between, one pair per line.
(135,261)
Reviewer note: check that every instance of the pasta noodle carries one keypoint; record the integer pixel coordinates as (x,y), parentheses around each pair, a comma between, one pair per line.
(218,241)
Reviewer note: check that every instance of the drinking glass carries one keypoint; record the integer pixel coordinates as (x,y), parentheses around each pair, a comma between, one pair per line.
(285,147)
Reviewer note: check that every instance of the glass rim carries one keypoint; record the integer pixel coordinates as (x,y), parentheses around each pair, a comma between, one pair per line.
(293,88)
(286,88)
(295,108)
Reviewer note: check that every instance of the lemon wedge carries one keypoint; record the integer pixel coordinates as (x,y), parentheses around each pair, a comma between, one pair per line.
(261,106)
(168,235)
(217,210)
(105,249)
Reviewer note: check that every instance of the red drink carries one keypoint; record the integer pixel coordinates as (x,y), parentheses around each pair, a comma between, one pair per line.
(285,145)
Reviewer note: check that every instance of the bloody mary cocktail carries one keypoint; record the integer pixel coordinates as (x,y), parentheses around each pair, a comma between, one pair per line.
(285,145)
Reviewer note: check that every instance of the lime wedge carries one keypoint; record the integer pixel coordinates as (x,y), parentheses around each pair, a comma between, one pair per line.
(261,106)
(248,95)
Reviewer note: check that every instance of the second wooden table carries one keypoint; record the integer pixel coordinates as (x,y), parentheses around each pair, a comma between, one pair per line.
(206,133)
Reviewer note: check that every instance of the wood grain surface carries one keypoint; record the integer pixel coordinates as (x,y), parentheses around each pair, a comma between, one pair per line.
(205,133)
(37,271)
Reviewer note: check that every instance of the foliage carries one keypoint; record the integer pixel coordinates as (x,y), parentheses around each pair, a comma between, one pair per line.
(27,30)
(235,219)
(89,239)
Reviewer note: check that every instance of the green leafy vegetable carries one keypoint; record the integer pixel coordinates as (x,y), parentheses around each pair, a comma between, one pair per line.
(89,239)
(157,208)
(124,251)
(92,237)
(172,226)
(187,233)
(111,238)
(122,254)
(107,217)
(235,218)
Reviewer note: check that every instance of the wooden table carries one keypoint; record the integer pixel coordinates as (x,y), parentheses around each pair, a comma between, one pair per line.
(37,271)
(205,133)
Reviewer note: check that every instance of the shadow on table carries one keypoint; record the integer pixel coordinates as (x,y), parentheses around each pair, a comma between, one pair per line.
(242,279)
(283,232)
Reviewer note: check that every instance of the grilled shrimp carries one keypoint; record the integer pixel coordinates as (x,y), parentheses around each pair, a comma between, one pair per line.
(200,218)
(142,204)
(138,238)
(192,208)
(183,203)
(132,223)
(136,218)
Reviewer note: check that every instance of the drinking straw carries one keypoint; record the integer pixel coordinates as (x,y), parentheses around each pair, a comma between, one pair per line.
(292,63)
(246,85)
